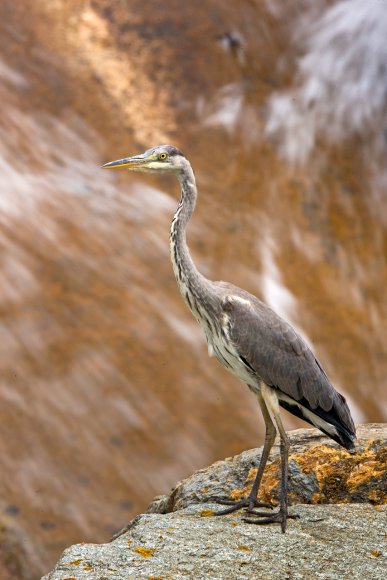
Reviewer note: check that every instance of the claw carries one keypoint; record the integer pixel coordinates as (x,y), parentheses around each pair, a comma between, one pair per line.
(269,518)
(237,505)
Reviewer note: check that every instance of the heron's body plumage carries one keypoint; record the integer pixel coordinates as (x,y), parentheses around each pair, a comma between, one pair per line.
(250,339)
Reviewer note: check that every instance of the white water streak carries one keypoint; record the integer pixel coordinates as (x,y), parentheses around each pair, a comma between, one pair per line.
(342,80)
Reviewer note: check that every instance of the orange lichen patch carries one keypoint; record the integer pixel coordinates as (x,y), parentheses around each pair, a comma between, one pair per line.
(376,553)
(87,568)
(238,494)
(155,578)
(371,469)
(271,480)
(129,541)
(319,455)
(252,474)
(206,513)
(75,562)
(342,472)
(244,548)
(144,552)
(341,476)
(72,578)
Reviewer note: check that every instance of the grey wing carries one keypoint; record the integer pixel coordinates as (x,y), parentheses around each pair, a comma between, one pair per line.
(282,359)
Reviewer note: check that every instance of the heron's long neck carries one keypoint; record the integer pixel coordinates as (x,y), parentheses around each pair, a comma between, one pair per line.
(193,286)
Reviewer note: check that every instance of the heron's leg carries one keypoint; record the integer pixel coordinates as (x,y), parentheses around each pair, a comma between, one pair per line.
(268,444)
(271,401)
(251,501)
(284,451)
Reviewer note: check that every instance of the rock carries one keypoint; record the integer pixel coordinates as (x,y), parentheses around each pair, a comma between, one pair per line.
(320,472)
(327,542)
(179,537)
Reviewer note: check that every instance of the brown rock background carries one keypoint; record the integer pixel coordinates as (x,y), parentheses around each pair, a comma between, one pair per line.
(107,394)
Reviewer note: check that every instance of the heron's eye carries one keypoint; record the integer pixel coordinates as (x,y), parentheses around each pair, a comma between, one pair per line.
(162,156)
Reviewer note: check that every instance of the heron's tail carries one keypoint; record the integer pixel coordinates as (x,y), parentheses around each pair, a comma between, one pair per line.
(336,423)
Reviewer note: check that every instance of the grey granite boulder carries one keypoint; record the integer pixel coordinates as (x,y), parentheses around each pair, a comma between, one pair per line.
(320,472)
(180,538)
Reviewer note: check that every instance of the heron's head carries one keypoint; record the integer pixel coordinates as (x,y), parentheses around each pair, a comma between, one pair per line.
(161,159)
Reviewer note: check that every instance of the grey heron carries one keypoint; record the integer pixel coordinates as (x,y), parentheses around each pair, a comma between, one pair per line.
(251,341)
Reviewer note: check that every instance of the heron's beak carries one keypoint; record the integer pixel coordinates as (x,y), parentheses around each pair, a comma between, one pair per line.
(136,162)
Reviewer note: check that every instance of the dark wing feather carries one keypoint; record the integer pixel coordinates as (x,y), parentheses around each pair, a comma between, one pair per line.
(282,359)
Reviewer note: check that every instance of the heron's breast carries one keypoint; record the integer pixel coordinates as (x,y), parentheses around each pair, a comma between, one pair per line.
(220,346)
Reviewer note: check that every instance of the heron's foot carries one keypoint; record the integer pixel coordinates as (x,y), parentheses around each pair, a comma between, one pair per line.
(263,518)
(234,505)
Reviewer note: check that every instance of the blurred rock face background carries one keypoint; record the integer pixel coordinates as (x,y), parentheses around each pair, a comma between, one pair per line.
(107,394)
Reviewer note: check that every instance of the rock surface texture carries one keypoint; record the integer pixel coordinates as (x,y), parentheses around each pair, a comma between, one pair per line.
(342,537)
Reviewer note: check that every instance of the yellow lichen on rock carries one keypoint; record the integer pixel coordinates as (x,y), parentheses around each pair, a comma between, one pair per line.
(75,562)
(342,477)
(206,513)
(144,552)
